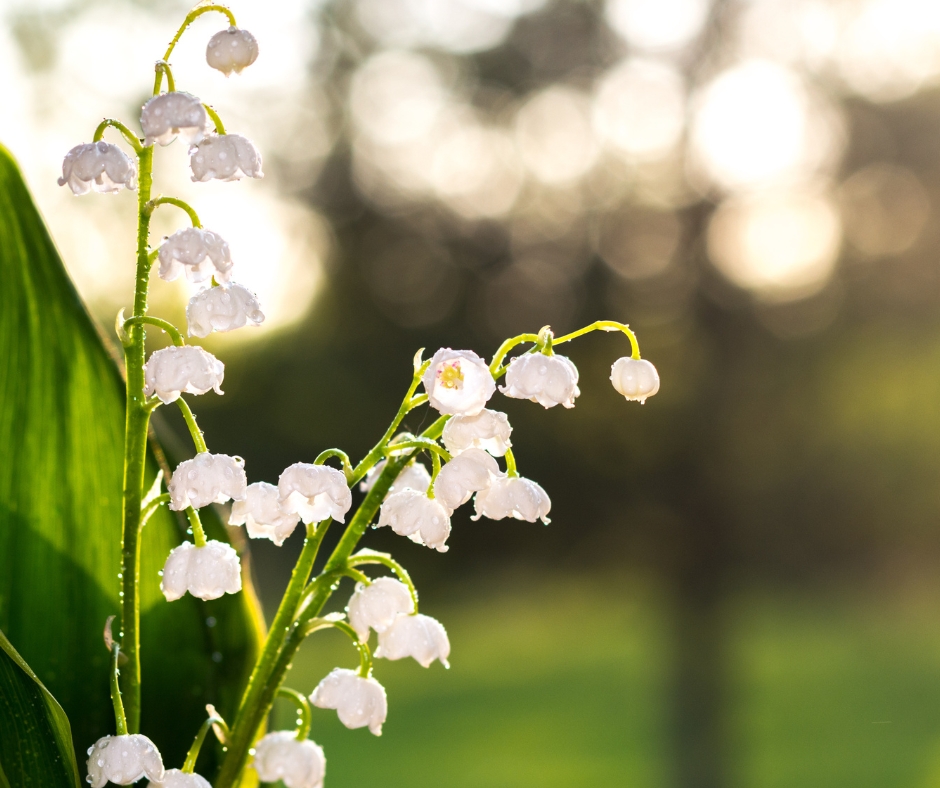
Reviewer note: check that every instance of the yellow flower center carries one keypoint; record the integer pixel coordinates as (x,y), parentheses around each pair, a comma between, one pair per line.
(450,375)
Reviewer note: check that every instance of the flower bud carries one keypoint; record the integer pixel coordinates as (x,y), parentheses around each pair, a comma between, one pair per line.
(198,252)
(458,382)
(207,478)
(222,308)
(423,520)
(123,760)
(171,115)
(231,50)
(225,157)
(98,166)
(358,701)
(377,605)
(417,636)
(206,572)
(176,778)
(488,430)
(315,492)
(414,476)
(174,370)
(469,472)
(281,756)
(513,497)
(635,378)
(547,380)
(261,514)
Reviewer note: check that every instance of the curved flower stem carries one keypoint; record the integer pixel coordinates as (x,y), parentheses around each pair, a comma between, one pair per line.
(120,721)
(189,765)
(168,327)
(495,369)
(366,556)
(158,201)
(194,430)
(148,510)
(128,135)
(162,67)
(427,445)
(435,470)
(356,575)
(216,120)
(323,456)
(510,464)
(199,535)
(365,653)
(603,325)
(190,18)
(303,709)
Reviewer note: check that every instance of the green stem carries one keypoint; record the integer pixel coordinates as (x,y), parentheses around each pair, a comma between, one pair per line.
(120,721)
(190,18)
(603,325)
(199,535)
(168,327)
(194,431)
(189,765)
(193,216)
(147,511)
(365,653)
(367,556)
(303,709)
(435,470)
(510,463)
(509,344)
(429,446)
(162,67)
(323,456)
(219,126)
(126,132)
(356,575)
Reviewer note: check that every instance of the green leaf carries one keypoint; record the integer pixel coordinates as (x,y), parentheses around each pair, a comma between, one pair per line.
(35,740)
(61,440)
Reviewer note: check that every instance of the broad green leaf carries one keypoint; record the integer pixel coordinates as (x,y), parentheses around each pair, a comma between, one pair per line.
(61,461)
(35,740)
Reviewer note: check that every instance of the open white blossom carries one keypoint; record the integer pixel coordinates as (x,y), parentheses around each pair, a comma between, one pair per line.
(206,572)
(281,756)
(231,50)
(171,115)
(197,252)
(423,520)
(207,478)
(123,760)
(222,308)
(377,605)
(547,380)
(261,514)
(458,382)
(98,166)
(173,370)
(315,492)
(414,476)
(635,378)
(513,496)
(358,701)
(417,636)
(176,778)
(488,430)
(225,157)
(470,471)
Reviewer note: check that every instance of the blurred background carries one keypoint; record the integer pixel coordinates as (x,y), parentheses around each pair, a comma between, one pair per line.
(740,584)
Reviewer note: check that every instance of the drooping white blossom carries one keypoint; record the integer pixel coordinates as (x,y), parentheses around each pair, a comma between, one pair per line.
(222,308)
(98,166)
(123,760)
(635,378)
(176,778)
(417,636)
(513,497)
(281,756)
(231,50)
(171,115)
(488,430)
(262,515)
(414,476)
(197,252)
(423,520)
(470,471)
(547,380)
(358,701)
(458,382)
(207,478)
(315,492)
(377,605)
(173,370)
(206,572)
(225,157)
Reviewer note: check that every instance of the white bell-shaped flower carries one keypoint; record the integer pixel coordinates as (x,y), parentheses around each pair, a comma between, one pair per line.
(635,378)
(458,382)
(222,308)
(231,50)
(225,157)
(377,605)
(414,476)
(176,778)
(488,430)
(173,370)
(423,520)
(171,115)
(207,478)
(206,572)
(418,636)
(547,380)
(98,166)
(197,252)
(358,701)
(513,496)
(470,471)
(315,492)
(123,760)
(262,515)
(281,756)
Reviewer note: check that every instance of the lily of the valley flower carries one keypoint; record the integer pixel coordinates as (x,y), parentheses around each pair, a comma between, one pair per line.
(231,50)
(358,701)
(280,756)
(261,514)
(513,497)
(488,430)
(98,166)
(123,760)
(458,382)
(547,380)
(206,572)
(423,520)
(635,378)
(197,252)
(417,636)
(315,492)
(414,476)
(469,472)
(173,370)
(176,778)
(222,308)
(207,478)
(377,605)
(225,157)
(171,115)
